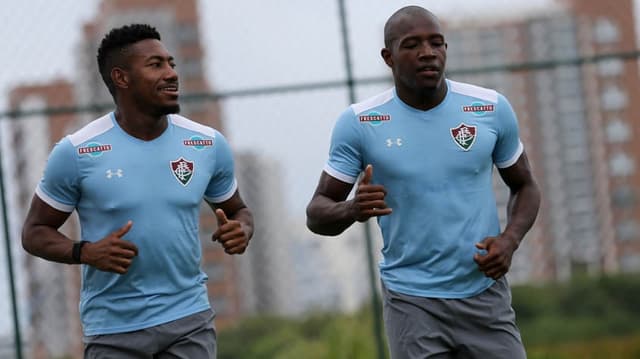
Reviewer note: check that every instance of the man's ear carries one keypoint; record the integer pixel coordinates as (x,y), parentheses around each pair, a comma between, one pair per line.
(119,77)
(386,56)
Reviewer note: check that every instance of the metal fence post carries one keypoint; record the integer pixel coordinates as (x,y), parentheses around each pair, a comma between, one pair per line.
(375,299)
(7,240)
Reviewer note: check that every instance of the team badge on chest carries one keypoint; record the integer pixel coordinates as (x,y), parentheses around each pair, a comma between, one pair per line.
(182,170)
(464,136)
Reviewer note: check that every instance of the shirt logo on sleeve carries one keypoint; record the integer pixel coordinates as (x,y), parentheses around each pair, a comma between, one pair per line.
(479,108)
(198,142)
(374,118)
(94,149)
(464,136)
(182,170)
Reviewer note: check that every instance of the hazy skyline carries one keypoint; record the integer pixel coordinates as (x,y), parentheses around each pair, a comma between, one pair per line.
(250,44)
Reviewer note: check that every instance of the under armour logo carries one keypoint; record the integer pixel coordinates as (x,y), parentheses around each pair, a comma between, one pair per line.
(117,173)
(391,142)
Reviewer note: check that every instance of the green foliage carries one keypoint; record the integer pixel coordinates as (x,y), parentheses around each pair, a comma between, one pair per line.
(319,336)
(582,309)
(584,318)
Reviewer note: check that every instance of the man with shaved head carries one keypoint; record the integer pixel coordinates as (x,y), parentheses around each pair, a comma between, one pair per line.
(422,154)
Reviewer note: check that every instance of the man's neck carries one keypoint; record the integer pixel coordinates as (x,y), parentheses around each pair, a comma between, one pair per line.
(423,100)
(140,125)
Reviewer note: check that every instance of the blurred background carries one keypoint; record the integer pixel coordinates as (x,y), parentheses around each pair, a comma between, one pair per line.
(273,76)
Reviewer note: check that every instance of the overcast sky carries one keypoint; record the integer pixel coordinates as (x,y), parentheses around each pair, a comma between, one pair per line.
(247,44)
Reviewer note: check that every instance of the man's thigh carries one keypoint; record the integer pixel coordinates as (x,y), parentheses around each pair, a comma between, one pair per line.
(139,344)
(486,325)
(189,337)
(196,338)
(482,326)
(415,330)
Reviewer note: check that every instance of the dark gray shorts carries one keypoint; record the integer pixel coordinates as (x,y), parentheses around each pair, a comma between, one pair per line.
(191,337)
(482,326)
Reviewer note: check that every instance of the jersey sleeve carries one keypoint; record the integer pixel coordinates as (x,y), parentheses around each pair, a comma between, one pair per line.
(508,146)
(59,185)
(223,183)
(345,150)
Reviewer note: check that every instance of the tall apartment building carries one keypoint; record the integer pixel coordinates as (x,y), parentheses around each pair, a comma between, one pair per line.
(577,125)
(53,289)
(266,268)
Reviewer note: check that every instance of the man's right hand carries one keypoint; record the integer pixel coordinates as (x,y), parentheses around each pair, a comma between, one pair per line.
(369,198)
(112,253)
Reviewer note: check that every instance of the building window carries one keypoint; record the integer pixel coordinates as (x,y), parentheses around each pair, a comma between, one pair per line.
(613,98)
(627,230)
(579,188)
(610,67)
(620,164)
(624,197)
(618,131)
(630,263)
(605,31)
(191,68)
(187,34)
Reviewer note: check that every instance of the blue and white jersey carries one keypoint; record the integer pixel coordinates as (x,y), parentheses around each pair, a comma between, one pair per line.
(436,166)
(110,177)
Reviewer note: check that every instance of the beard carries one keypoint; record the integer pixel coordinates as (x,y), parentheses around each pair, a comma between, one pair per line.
(171,109)
(166,110)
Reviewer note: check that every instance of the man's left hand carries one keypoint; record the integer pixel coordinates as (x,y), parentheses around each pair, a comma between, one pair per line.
(230,234)
(499,251)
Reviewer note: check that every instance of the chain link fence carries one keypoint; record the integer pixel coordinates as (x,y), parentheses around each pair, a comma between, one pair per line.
(273,77)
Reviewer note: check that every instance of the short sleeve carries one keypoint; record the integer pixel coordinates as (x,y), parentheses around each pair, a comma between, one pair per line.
(59,186)
(223,182)
(508,146)
(345,151)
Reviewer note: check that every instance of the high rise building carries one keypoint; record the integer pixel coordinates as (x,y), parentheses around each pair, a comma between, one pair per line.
(266,277)
(577,124)
(53,289)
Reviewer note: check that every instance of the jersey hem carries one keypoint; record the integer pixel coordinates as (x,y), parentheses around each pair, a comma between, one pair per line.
(438,294)
(148,324)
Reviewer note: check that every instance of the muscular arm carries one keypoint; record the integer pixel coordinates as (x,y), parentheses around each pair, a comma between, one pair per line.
(329,213)
(522,210)
(40,235)
(524,199)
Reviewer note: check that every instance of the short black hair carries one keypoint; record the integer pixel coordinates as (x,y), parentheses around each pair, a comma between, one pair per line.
(114,45)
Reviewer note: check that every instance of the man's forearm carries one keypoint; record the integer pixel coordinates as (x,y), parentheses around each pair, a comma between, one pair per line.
(48,243)
(327,217)
(522,211)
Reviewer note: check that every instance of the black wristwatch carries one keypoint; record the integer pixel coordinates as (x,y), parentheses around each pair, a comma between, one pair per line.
(77,249)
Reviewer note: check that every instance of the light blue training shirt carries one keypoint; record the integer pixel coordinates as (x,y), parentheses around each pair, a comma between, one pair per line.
(436,166)
(110,177)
